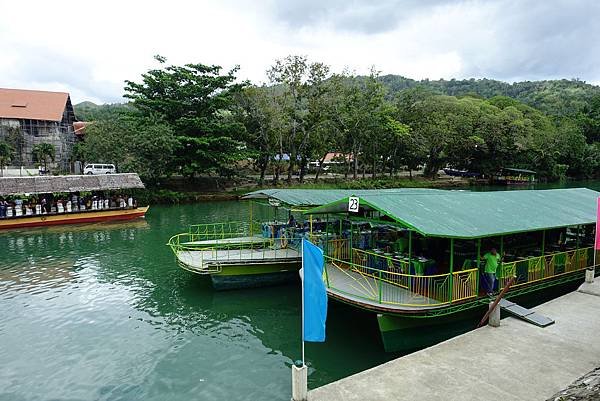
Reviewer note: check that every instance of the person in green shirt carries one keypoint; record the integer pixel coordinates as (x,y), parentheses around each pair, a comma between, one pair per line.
(491,258)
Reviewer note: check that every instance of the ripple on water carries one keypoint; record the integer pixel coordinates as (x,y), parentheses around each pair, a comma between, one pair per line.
(102,312)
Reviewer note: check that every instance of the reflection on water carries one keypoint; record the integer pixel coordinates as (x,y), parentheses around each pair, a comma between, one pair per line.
(102,312)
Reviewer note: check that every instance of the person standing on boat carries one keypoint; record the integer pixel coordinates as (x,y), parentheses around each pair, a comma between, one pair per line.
(491,258)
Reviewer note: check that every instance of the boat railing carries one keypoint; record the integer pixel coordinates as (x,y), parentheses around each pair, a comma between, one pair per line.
(206,254)
(539,268)
(224,230)
(382,282)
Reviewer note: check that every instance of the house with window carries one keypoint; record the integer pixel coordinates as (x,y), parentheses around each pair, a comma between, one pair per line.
(32,117)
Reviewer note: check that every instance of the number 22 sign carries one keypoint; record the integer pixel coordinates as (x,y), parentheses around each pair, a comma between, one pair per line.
(353,204)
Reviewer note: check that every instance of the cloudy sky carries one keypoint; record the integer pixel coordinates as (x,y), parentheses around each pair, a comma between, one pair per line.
(89,48)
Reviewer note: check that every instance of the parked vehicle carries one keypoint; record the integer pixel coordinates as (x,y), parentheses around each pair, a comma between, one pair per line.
(90,169)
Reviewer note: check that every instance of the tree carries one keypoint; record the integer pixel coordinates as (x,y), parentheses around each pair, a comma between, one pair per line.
(142,145)
(44,152)
(304,87)
(196,101)
(6,154)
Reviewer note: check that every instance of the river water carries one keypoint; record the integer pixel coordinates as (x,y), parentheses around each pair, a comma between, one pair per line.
(102,312)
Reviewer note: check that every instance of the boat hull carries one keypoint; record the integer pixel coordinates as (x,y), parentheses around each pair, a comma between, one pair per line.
(96,216)
(260,279)
(410,332)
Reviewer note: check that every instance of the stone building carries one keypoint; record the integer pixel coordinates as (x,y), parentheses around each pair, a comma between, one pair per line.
(31,117)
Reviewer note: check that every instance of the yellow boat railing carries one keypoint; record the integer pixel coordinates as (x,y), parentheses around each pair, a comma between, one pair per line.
(387,280)
(540,268)
(230,229)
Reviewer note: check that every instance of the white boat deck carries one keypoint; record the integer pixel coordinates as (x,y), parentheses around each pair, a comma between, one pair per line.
(200,259)
(256,239)
(364,290)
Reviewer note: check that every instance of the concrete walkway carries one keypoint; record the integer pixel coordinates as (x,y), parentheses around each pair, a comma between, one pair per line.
(516,361)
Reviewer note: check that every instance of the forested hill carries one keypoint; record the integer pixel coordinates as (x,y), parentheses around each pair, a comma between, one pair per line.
(556,97)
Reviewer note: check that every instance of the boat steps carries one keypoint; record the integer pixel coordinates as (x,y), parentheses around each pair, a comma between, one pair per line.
(525,314)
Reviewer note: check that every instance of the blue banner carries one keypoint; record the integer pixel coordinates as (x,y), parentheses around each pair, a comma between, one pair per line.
(315,295)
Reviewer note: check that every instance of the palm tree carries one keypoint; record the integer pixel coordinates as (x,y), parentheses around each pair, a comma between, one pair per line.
(43,152)
(6,152)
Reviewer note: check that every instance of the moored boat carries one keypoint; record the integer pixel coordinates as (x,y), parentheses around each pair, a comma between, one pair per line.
(515,176)
(255,253)
(58,200)
(415,262)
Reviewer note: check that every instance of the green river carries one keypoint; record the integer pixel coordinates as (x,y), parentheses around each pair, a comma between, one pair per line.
(102,312)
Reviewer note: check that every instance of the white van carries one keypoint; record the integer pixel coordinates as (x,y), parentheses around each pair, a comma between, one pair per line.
(90,169)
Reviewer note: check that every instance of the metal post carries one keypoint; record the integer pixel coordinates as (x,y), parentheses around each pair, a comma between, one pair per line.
(543,264)
(477,265)
(577,249)
(351,244)
(501,261)
(379,284)
(251,228)
(409,250)
(543,242)
(451,267)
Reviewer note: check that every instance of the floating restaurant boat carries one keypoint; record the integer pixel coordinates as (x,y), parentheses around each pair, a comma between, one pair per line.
(515,176)
(66,211)
(415,261)
(255,253)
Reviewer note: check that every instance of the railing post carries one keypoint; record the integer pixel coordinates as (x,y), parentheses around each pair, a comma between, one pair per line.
(379,284)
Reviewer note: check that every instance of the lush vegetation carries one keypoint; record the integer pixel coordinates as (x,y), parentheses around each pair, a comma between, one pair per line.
(196,120)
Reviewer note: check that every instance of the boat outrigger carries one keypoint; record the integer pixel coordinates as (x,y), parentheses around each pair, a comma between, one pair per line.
(75,199)
(255,253)
(415,261)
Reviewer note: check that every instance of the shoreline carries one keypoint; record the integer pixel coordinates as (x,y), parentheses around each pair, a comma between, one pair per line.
(176,193)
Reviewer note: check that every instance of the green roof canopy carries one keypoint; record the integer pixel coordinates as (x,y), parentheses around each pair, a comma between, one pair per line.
(318,197)
(462,214)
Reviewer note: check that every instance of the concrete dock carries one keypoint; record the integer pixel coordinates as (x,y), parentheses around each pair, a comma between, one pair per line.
(516,361)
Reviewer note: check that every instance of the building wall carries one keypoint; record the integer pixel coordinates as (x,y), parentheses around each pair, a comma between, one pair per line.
(23,135)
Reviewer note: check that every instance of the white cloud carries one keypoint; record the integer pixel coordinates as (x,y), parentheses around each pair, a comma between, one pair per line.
(90,48)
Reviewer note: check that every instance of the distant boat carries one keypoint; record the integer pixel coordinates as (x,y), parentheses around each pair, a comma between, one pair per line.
(452,172)
(515,176)
(66,212)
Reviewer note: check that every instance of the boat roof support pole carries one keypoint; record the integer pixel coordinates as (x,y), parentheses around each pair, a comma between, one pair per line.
(543,242)
(451,269)
(477,264)
(409,250)
(577,249)
(251,228)
(351,245)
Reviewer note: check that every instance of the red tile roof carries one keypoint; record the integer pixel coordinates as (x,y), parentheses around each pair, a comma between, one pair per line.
(31,104)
